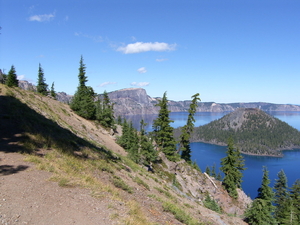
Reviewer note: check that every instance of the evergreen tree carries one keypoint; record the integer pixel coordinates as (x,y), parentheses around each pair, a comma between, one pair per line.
(52,92)
(232,165)
(281,200)
(261,210)
(207,170)
(213,171)
(41,87)
(258,214)
(163,132)
(294,214)
(104,112)
(83,101)
(188,129)
(147,151)
(12,80)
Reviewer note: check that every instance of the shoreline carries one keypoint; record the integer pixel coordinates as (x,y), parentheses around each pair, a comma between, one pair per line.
(291,148)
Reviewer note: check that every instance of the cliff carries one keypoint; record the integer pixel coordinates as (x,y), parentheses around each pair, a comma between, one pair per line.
(133,101)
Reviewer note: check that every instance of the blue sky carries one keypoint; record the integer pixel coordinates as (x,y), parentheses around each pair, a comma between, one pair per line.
(228,51)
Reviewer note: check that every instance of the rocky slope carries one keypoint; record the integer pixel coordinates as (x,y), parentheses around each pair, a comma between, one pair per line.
(253,131)
(82,158)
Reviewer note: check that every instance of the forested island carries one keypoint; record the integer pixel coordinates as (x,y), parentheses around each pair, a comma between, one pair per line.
(253,131)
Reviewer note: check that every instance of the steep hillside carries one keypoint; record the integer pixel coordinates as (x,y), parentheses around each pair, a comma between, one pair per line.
(81,157)
(253,131)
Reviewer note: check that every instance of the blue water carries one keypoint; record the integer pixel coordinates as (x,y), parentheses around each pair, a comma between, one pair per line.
(208,155)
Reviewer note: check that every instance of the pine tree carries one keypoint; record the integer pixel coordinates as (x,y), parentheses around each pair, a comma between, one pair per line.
(232,165)
(83,101)
(52,92)
(294,214)
(147,151)
(41,87)
(261,211)
(257,214)
(281,200)
(163,132)
(207,170)
(12,80)
(104,112)
(187,130)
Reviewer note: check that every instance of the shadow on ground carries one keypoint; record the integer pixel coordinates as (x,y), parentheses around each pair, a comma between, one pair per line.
(8,169)
(24,130)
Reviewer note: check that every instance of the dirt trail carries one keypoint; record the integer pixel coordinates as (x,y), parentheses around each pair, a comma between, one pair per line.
(27,197)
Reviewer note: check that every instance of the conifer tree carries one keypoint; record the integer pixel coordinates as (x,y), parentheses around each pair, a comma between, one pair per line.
(294,214)
(261,210)
(52,91)
(232,165)
(83,101)
(12,80)
(163,132)
(147,152)
(281,200)
(187,130)
(104,112)
(41,87)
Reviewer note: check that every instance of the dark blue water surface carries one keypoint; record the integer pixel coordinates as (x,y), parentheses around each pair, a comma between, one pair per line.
(208,155)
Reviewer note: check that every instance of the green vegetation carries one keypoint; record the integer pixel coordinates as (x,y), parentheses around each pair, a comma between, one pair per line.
(52,91)
(252,130)
(163,132)
(179,214)
(119,183)
(83,101)
(210,203)
(12,80)
(104,112)
(41,87)
(232,167)
(186,131)
(261,210)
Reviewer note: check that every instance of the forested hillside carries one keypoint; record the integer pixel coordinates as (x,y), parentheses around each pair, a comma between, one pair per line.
(253,131)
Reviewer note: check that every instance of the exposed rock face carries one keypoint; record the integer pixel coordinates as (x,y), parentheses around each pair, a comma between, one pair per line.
(63,97)
(133,101)
(25,85)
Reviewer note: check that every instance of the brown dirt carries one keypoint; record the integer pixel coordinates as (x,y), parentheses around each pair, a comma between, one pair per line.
(27,197)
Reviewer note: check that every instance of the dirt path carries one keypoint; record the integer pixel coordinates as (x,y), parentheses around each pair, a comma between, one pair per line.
(27,197)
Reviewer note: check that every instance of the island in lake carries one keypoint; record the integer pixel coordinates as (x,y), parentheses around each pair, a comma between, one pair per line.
(253,131)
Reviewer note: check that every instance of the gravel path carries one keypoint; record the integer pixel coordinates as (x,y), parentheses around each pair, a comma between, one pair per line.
(27,197)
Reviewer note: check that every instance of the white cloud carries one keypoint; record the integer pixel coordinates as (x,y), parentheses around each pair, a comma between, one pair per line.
(139,84)
(21,77)
(106,83)
(161,60)
(142,70)
(42,18)
(146,47)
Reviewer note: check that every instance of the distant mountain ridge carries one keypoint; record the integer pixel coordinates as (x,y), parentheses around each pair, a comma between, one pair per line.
(133,101)
(136,101)
(254,132)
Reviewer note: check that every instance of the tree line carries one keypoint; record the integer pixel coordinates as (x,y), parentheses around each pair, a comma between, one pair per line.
(11,80)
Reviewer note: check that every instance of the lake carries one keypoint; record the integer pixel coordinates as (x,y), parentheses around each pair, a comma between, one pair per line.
(208,154)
